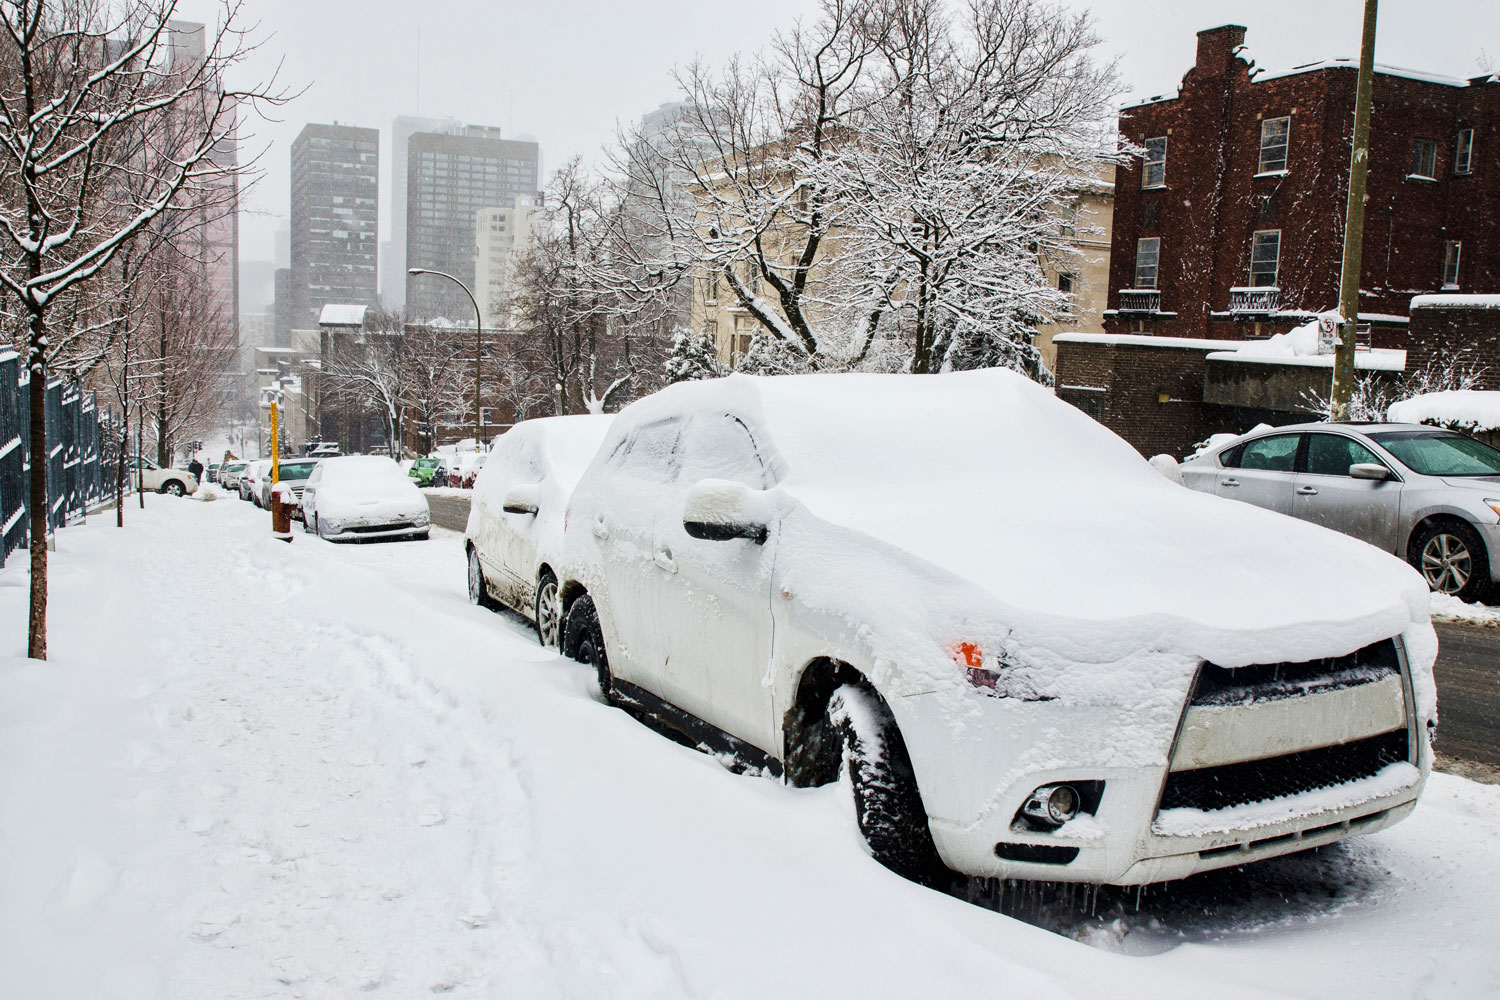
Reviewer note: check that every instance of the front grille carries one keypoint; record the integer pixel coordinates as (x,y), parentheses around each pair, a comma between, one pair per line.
(364,528)
(1269,681)
(1210,788)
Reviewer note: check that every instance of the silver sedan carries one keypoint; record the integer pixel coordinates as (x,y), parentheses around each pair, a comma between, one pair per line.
(1430,496)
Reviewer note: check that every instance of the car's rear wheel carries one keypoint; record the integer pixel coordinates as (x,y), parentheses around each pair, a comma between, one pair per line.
(1451,558)
(583,640)
(548,612)
(887,804)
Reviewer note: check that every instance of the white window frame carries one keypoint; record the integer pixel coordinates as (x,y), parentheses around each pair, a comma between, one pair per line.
(1285,146)
(1452,258)
(1256,239)
(1463,152)
(1155,265)
(1147,163)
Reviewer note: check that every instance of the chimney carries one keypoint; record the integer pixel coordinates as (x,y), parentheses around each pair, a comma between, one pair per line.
(1215,48)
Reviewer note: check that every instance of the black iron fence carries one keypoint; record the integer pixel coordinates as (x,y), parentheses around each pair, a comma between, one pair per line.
(81,441)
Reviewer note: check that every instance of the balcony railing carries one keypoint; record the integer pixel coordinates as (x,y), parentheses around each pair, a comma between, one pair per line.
(1147,300)
(1266,299)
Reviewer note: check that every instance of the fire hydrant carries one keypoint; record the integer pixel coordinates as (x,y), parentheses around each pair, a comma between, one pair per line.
(282,502)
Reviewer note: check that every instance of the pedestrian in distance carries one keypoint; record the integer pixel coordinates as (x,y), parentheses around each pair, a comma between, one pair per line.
(196,468)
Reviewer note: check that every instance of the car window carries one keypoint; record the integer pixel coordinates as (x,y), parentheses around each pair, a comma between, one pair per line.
(1441,453)
(721,447)
(1332,454)
(1277,453)
(296,470)
(651,452)
(317,474)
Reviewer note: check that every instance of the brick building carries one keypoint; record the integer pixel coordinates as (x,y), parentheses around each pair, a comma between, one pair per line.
(1231,225)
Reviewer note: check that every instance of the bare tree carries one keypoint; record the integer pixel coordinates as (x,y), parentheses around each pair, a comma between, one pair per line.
(435,376)
(366,372)
(81,80)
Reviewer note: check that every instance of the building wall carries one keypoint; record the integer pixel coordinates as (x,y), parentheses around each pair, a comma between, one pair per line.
(1214,199)
(1094,224)
(449,179)
(501,233)
(334,219)
(1463,334)
(393,253)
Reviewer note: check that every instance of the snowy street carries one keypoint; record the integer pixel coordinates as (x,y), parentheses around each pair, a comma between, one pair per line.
(255,769)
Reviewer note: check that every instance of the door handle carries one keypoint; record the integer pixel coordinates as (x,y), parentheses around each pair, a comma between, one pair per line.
(1307,491)
(600,531)
(663,559)
(1229,482)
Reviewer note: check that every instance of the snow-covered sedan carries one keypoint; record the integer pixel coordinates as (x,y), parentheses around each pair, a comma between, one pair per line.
(516,514)
(362,497)
(1035,656)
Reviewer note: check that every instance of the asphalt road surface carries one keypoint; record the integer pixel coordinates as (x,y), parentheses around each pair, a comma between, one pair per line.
(1468,670)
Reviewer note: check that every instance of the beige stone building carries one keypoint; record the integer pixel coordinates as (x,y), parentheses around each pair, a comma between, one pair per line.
(500,234)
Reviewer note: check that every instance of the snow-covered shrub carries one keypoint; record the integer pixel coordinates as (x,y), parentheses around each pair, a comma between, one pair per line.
(693,355)
(1374,393)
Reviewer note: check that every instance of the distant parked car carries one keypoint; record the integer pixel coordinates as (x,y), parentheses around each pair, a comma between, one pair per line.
(325,449)
(516,515)
(293,472)
(229,475)
(422,470)
(362,497)
(212,471)
(251,479)
(1031,655)
(1427,495)
(172,481)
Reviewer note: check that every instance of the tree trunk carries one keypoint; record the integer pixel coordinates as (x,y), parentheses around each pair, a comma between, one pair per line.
(140,438)
(36,627)
(120,470)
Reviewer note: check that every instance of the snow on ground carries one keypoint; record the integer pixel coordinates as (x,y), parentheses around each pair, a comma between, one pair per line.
(1446,608)
(448,492)
(255,769)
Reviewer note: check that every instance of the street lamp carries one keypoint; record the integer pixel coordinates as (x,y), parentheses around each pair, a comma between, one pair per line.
(478,351)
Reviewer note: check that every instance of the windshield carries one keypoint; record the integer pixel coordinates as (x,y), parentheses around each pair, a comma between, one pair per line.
(1441,453)
(425,463)
(297,470)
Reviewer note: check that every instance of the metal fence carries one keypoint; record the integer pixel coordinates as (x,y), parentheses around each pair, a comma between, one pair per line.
(80,440)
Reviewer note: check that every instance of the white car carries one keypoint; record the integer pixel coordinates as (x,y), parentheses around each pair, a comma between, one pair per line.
(1037,658)
(363,497)
(516,515)
(255,474)
(173,481)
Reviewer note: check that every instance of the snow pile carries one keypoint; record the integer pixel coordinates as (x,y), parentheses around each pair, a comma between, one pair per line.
(395,792)
(1301,342)
(1299,346)
(1459,409)
(1168,467)
(1447,608)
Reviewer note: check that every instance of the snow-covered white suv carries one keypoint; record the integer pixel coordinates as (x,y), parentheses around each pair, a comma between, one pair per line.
(1002,622)
(516,514)
(174,481)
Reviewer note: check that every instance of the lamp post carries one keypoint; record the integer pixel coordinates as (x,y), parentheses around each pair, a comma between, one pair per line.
(478,351)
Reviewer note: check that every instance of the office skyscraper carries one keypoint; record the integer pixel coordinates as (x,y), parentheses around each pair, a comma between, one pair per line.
(449,179)
(335,225)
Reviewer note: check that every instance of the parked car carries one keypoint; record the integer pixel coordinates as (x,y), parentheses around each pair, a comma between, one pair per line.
(251,479)
(229,475)
(422,470)
(516,515)
(1427,495)
(362,497)
(1035,656)
(324,449)
(293,472)
(173,481)
(212,471)
(461,469)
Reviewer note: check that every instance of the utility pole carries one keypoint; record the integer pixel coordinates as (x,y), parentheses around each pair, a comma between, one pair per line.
(1354,223)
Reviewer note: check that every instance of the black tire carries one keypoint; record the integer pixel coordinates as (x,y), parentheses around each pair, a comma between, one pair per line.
(583,640)
(1450,556)
(306,524)
(173,488)
(887,804)
(547,611)
(478,591)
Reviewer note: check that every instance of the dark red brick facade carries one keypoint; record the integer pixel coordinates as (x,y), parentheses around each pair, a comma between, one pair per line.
(1463,335)
(1212,201)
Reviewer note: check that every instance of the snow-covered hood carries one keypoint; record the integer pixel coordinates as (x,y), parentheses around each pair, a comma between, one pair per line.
(370,501)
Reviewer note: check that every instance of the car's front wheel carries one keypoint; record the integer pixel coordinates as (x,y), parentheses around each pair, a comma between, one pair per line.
(1451,558)
(548,612)
(478,593)
(173,488)
(887,804)
(583,640)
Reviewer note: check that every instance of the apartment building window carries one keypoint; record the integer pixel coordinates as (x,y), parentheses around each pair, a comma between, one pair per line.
(1069,221)
(1154,174)
(1275,134)
(1424,159)
(1146,253)
(711,289)
(1464,154)
(1065,284)
(711,329)
(1451,252)
(1265,258)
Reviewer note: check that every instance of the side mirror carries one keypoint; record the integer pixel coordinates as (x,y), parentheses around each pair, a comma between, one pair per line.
(719,510)
(1369,470)
(521,499)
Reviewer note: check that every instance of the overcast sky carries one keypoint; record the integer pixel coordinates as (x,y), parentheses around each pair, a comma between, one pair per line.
(565,71)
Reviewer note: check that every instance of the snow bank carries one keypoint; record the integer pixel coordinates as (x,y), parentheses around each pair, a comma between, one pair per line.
(1461,409)
(1452,301)
(404,795)
(1299,346)
(1447,608)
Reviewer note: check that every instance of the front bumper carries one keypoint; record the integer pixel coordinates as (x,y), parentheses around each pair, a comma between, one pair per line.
(1147,827)
(356,530)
